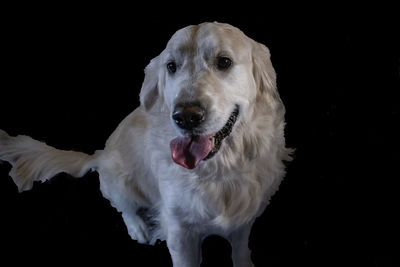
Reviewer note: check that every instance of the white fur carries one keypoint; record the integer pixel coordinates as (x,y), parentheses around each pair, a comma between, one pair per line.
(224,194)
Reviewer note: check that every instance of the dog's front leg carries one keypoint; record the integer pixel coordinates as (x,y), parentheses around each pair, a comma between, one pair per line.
(184,246)
(240,250)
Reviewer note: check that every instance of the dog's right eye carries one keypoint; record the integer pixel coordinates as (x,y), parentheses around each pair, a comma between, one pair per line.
(223,63)
(171,66)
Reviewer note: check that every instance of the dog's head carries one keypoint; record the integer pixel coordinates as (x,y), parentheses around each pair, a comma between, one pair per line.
(208,79)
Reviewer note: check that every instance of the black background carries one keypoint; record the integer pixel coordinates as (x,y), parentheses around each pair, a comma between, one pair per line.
(69,76)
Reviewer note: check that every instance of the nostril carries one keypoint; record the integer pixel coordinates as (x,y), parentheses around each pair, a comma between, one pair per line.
(196,118)
(177,117)
(188,116)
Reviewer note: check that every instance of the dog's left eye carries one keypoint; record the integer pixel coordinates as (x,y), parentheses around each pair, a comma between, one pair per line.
(171,66)
(223,63)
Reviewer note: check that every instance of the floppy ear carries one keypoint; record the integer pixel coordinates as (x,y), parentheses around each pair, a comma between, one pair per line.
(265,76)
(150,94)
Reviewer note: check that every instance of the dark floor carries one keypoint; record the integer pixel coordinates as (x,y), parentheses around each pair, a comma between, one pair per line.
(69,79)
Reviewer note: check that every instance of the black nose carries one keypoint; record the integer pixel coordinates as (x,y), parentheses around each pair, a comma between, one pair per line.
(188,116)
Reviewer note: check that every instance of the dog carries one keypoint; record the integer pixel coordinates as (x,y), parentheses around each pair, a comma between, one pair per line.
(202,154)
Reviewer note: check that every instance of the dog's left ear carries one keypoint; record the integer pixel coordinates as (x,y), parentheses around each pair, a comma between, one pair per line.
(264,75)
(150,94)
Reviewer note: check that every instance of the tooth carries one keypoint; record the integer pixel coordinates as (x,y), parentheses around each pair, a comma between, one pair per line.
(212,141)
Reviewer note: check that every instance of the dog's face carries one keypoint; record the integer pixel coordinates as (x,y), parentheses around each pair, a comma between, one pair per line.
(207,78)
(210,70)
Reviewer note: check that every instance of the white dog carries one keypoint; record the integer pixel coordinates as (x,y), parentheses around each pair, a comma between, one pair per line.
(202,154)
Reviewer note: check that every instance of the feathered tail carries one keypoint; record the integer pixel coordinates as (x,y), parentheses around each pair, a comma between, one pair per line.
(35,161)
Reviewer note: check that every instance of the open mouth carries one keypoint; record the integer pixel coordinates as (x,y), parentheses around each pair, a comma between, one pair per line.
(189,151)
(216,140)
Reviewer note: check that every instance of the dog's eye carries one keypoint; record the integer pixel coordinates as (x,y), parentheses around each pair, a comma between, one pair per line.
(171,66)
(224,63)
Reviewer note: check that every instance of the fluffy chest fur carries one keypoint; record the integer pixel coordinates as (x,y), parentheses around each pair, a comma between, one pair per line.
(221,202)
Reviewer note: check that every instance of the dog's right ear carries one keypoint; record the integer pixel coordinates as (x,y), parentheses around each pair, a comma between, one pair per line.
(265,77)
(150,93)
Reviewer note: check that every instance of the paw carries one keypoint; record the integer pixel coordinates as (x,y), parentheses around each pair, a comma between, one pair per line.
(137,229)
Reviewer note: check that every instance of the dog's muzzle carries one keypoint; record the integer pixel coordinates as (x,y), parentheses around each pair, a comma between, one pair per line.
(188,151)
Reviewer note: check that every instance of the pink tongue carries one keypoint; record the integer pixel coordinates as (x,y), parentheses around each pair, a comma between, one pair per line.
(189,151)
